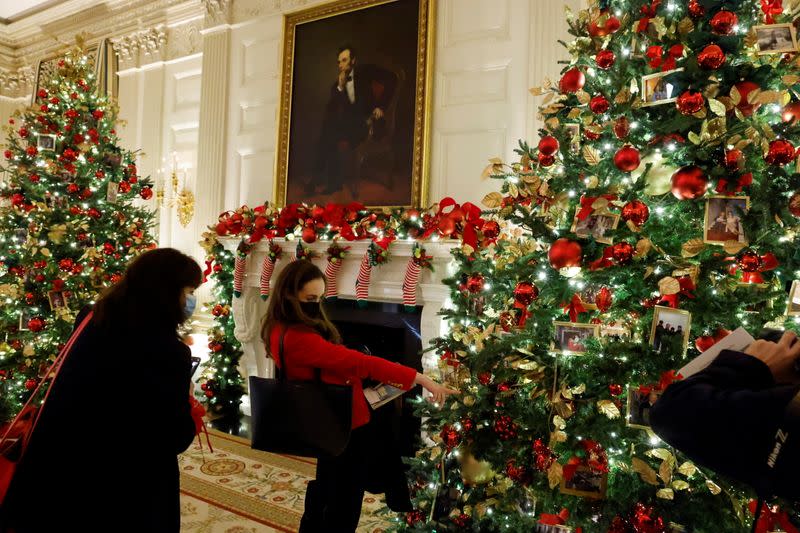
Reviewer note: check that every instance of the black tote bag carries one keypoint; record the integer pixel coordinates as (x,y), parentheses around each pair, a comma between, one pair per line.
(305,418)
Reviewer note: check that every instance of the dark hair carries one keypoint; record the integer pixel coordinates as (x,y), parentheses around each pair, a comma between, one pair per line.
(148,297)
(347,47)
(284,305)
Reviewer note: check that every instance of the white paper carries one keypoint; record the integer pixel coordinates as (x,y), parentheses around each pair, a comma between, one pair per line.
(381,394)
(737,341)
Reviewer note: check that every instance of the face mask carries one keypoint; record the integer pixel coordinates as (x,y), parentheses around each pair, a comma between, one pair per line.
(188,307)
(311,309)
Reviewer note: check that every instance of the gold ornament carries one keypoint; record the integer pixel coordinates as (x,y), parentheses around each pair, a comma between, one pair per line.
(659,178)
(475,472)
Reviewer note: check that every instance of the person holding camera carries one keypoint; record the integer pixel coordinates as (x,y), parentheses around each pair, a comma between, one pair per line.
(311,341)
(740,416)
(103,455)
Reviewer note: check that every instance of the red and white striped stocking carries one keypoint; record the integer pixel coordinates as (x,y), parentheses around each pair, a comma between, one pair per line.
(267,267)
(362,282)
(331,273)
(239,267)
(410,283)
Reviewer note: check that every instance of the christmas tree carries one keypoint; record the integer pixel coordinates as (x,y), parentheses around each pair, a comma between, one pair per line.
(69,224)
(657,212)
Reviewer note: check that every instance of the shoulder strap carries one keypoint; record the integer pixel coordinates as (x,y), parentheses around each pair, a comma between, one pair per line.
(282,370)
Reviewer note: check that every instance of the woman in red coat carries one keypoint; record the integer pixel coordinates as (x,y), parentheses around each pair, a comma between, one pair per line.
(333,500)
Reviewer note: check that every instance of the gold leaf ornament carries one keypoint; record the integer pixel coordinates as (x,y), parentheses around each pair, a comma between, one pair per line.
(493,200)
(692,248)
(608,408)
(713,487)
(57,233)
(555,474)
(687,469)
(668,286)
(591,155)
(665,494)
(644,470)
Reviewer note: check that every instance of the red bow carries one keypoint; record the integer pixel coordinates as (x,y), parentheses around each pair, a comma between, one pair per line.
(656,52)
(687,286)
(208,269)
(768,262)
(771,8)
(588,201)
(667,379)
(574,307)
(745,180)
(197,412)
(648,12)
(554,519)
(771,519)
(450,215)
(595,458)
(605,261)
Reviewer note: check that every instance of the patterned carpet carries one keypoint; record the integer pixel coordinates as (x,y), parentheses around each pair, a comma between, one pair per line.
(240,490)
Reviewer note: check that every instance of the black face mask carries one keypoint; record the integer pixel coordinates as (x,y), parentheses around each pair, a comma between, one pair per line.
(311,309)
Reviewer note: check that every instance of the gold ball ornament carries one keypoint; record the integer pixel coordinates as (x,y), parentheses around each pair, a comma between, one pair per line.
(659,178)
(475,472)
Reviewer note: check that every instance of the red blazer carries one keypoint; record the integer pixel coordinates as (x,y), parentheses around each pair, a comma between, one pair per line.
(304,350)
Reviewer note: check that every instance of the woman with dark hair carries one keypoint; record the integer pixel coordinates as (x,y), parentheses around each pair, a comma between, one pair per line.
(103,456)
(311,341)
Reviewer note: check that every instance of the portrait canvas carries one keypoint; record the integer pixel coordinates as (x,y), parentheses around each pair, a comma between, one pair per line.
(775,38)
(723,220)
(639,404)
(45,141)
(597,226)
(586,483)
(574,136)
(657,90)
(571,337)
(353,108)
(670,330)
(57,299)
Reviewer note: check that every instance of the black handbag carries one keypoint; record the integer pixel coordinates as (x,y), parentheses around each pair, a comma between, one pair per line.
(305,418)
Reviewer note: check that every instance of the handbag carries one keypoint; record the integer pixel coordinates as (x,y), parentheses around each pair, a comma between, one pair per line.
(17,435)
(304,418)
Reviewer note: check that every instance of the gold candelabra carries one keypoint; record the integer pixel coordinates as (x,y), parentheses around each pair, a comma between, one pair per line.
(182,201)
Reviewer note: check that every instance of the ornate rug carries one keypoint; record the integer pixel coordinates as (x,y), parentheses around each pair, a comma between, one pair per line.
(240,490)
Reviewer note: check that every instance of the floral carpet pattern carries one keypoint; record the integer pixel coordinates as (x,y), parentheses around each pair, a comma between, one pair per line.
(240,490)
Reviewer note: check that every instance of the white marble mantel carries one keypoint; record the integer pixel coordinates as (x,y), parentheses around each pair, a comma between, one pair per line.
(385,286)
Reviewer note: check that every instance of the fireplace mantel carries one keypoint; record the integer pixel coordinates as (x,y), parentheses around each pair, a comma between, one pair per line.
(386,285)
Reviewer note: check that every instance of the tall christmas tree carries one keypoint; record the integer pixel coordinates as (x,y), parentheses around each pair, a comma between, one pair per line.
(658,212)
(69,223)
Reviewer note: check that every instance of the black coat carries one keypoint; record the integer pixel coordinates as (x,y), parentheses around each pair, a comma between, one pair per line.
(104,454)
(726,418)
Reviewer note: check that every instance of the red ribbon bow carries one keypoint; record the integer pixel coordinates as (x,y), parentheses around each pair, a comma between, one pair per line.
(605,261)
(745,180)
(771,8)
(667,379)
(588,201)
(649,13)
(453,219)
(554,519)
(768,262)
(687,286)
(772,519)
(208,269)
(574,307)
(656,53)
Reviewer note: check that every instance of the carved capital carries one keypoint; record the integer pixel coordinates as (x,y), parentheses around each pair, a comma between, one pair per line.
(141,43)
(217,10)
(17,82)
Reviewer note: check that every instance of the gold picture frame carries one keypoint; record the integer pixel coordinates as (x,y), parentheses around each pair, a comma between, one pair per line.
(680,317)
(586,483)
(718,211)
(416,83)
(600,237)
(766,31)
(648,88)
(635,417)
(558,345)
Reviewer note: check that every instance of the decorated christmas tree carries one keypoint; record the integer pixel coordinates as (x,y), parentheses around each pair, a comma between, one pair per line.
(69,221)
(657,212)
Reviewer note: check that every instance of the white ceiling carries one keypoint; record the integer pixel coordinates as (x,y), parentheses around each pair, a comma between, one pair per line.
(10,9)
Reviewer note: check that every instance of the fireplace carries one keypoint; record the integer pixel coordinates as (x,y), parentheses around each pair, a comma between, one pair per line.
(383,326)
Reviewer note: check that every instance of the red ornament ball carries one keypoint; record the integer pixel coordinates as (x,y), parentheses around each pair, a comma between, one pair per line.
(723,22)
(124,187)
(546,160)
(627,158)
(696,10)
(689,183)
(636,211)
(605,59)
(30,384)
(450,436)
(309,235)
(526,293)
(749,261)
(565,253)
(791,113)
(599,104)
(414,517)
(548,145)
(745,88)
(734,160)
(615,389)
(781,152)
(36,324)
(622,252)
(146,193)
(505,427)
(689,103)
(65,264)
(572,81)
(622,127)
(209,393)
(475,283)
(611,25)
(711,57)
(507,322)
(704,342)
(491,229)
(604,299)
(794,204)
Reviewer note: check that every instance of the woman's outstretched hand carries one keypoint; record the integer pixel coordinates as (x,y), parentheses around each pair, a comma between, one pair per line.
(439,392)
